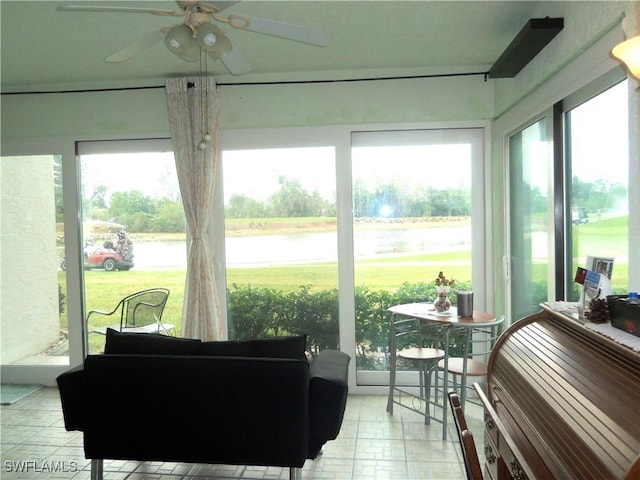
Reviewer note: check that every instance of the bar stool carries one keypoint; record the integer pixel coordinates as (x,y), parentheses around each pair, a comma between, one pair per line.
(422,342)
(479,342)
(426,358)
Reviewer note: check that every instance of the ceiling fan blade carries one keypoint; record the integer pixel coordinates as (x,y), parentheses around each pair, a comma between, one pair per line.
(136,47)
(274,28)
(235,62)
(98,8)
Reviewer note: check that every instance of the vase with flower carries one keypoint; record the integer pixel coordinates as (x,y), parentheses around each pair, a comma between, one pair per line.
(443,285)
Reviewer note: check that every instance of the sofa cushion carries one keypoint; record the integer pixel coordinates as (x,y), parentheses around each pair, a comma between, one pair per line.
(149,344)
(278,347)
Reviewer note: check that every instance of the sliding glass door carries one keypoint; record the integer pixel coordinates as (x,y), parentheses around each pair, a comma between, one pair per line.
(281,243)
(531,263)
(133,229)
(552,232)
(598,158)
(416,194)
(325,229)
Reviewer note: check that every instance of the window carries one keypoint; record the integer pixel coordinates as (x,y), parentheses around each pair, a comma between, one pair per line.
(281,243)
(324,227)
(133,229)
(531,215)
(587,213)
(413,204)
(598,159)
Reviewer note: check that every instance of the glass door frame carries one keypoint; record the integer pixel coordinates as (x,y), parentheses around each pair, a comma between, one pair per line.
(101,147)
(548,116)
(564,223)
(275,138)
(67,148)
(561,182)
(339,137)
(46,374)
(480,231)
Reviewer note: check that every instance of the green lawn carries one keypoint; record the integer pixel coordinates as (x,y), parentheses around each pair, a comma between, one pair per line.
(602,238)
(385,273)
(104,289)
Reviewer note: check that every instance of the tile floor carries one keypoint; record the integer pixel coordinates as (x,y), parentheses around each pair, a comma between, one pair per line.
(372,445)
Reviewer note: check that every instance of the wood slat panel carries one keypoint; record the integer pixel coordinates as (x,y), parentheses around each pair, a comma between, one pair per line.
(573,397)
(574,391)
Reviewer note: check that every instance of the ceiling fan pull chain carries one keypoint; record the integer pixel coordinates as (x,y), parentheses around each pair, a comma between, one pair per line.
(207,135)
(204,101)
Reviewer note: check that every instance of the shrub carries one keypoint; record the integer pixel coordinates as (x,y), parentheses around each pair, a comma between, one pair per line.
(265,312)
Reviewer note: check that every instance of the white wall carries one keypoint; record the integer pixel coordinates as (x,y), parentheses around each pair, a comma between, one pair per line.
(142,113)
(29,318)
(382,102)
(66,117)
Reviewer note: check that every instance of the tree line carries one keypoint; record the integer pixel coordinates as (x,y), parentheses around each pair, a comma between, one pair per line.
(387,200)
(599,196)
(142,213)
(139,212)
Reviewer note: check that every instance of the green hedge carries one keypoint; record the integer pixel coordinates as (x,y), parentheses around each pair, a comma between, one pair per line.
(265,312)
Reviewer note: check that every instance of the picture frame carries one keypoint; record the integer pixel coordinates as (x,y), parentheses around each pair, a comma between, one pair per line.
(595,279)
(601,265)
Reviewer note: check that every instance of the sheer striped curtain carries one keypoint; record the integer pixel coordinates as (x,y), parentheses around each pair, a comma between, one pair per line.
(193,113)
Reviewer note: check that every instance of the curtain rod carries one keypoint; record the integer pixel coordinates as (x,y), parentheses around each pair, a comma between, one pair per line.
(279,82)
(350,80)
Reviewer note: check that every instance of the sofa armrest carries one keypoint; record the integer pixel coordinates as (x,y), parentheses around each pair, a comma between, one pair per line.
(328,389)
(72,396)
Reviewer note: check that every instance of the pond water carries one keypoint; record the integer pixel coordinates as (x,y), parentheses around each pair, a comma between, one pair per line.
(268,250)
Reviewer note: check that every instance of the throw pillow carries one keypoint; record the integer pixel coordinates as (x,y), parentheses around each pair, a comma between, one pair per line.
(149,344)
(278,347)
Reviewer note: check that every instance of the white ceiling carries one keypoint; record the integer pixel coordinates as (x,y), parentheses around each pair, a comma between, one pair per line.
(44,49)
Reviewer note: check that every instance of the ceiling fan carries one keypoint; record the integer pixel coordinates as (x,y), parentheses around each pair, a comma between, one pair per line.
(198,33)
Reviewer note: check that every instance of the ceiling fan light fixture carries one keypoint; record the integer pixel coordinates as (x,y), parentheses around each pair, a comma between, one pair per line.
(213,40)
(208,40)
(180,41)
(199,33)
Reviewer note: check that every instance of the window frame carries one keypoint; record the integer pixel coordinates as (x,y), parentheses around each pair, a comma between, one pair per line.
(340,137)
(106,147)
(46,374)
(548,116)
(556,115)
(563,217)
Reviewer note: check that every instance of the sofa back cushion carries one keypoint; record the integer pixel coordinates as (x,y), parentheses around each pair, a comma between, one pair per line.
(278,347)
(241,411)
(149,344)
